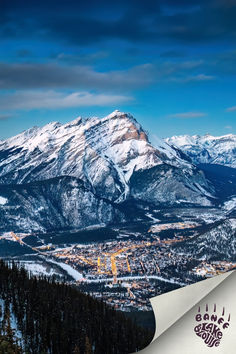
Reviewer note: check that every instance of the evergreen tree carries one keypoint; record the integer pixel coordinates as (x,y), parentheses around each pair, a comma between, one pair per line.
(57,318)
(88,347)
(9,346)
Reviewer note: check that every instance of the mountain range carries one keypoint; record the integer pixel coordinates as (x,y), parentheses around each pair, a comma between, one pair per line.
(207,149)
(217,243)
(85,172)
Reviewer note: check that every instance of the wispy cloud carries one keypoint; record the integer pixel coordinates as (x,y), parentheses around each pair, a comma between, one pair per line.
(200,77)
(188,115)
(55,76)
(84,59)
(193,78)
(231,109)
(28,100)
(20,76)
(5,116)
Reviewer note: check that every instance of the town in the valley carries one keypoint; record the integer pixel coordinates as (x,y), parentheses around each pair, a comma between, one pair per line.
(125,270)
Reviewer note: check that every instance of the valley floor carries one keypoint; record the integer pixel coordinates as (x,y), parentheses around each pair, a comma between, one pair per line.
(124,264)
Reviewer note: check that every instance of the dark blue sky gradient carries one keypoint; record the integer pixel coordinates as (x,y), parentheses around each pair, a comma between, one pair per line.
(171,63)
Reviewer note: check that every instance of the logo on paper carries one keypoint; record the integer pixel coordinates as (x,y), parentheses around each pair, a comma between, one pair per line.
(211,326)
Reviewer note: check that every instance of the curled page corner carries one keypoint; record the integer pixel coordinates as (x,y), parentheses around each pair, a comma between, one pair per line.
(190,319)
(170,307)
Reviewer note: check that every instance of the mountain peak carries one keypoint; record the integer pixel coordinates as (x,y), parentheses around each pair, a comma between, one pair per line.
(51,126)
(77,121)
(115,113)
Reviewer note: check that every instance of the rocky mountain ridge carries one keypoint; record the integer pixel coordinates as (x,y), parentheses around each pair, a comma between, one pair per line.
(207,149)
(54,204)
(114,160)
(218,243)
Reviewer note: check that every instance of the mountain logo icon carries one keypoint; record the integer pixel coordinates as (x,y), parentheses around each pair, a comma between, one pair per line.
(211,325)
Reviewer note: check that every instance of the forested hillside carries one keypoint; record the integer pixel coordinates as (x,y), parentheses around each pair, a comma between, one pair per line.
(39,315)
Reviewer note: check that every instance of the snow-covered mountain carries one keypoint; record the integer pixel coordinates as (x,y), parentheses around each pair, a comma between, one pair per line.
(53,204)
(106,154)
(207,149)
(102,152)
(217,243)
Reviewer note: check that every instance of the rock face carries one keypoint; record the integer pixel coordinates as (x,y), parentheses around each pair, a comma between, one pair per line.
(114,159)
(170,185)
(57,203)
(207,149)
(102,152)
(218,243)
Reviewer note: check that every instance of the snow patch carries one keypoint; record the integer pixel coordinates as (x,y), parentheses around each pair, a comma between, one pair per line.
(233,223)
(230,204)
(70,270)
(3,201)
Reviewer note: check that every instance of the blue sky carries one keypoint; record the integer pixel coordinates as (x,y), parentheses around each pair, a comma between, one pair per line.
(170,63)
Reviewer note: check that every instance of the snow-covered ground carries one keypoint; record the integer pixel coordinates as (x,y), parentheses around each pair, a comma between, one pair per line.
(38,268)
(135,277)
(233,223)
(150,216)
(207,216)
(70,270)
(230,204)
(3,201)
(13,321)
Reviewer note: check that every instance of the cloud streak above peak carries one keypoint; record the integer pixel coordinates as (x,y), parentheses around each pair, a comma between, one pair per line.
(29,100)
(83,77)
(231,109)
(35,75)
(187,115)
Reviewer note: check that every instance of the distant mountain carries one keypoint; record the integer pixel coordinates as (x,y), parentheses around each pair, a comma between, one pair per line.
(104,162)
(222,177)
(217,243)
(207,149)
